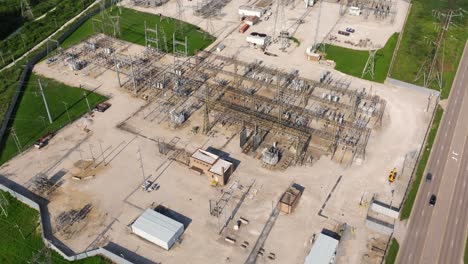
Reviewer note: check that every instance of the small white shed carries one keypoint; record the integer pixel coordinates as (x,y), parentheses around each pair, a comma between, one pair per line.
(246,10)
(157,228)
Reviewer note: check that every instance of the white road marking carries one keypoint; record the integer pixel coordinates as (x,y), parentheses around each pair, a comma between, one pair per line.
(456,221)
(422,212)
(454,153)
(451,244)
(417,232)
(438,160)
(460,201)
(454,158)
(450,122)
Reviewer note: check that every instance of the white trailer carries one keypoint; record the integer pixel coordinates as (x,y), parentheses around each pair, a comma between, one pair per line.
(246,10)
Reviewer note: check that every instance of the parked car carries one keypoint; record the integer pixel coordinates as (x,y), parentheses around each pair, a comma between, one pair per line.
(350,30)
(344,33)
(432,200)
(43,140)
(145,186)
(51,60)
(155,187)
(102,107)
(428,177)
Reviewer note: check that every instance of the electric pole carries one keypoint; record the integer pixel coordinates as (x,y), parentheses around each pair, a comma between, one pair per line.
(87,102)
(66,109)
(16,140)
(45,100)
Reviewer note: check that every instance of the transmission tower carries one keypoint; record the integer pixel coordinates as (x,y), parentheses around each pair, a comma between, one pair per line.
(3,205)
(370,64)
(432,68)
(42,257)
(209,27)
(316,44)
(278,3)
(152,37)
(206,113)
(26,10)
(116,3)
(179,26)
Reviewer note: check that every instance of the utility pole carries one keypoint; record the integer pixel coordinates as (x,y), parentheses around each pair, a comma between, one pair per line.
(91,151)
(45,100)
(16,140)
(43,121)
(19,229)
(87,102)
(102,153)
(66,109)
(141,163)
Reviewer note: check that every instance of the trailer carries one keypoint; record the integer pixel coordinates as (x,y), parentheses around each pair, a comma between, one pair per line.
(243,28)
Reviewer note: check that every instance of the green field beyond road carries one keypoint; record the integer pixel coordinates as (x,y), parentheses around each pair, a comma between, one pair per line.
(420,31)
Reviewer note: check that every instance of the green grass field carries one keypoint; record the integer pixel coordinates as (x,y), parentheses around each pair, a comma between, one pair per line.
(392,252)
(21,237)
(408,204)
(419,31)
(28,123)
(466,252)
(132,29)
(352,62)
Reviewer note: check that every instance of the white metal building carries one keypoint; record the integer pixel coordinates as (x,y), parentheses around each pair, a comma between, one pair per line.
(157,228)
(355,11)
(246,10)
(323,251)
(309,2)
(257,40)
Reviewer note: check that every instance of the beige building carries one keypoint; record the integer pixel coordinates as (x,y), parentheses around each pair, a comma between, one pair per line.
(217,169)
(289,200)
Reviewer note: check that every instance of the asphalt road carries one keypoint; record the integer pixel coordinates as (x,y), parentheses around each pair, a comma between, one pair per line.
(437,234)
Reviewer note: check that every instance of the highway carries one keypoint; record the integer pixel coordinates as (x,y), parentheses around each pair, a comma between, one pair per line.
(438,234)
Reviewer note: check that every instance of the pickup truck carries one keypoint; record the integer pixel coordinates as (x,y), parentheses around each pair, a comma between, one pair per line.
(43,140)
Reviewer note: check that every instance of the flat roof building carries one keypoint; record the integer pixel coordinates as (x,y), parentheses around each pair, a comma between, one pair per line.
(217,169)
(323,251)
(157,228)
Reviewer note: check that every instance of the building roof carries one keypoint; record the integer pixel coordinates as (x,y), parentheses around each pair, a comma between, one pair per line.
(290,195)
(157,225)
(205,156)
(323,250)
(220,165)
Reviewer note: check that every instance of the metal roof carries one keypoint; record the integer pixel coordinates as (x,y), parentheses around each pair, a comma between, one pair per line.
(156,226)
(205,156)
(221,166)
(323,250)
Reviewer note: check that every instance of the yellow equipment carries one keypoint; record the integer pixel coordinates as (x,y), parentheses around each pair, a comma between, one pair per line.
(392,176)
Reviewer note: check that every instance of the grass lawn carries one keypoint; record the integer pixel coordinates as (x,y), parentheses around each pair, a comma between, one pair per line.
(419,31)
(21,236)
(352,62)
(28,123)
(132,29)
(408,204)
(466,252)
(392,252)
